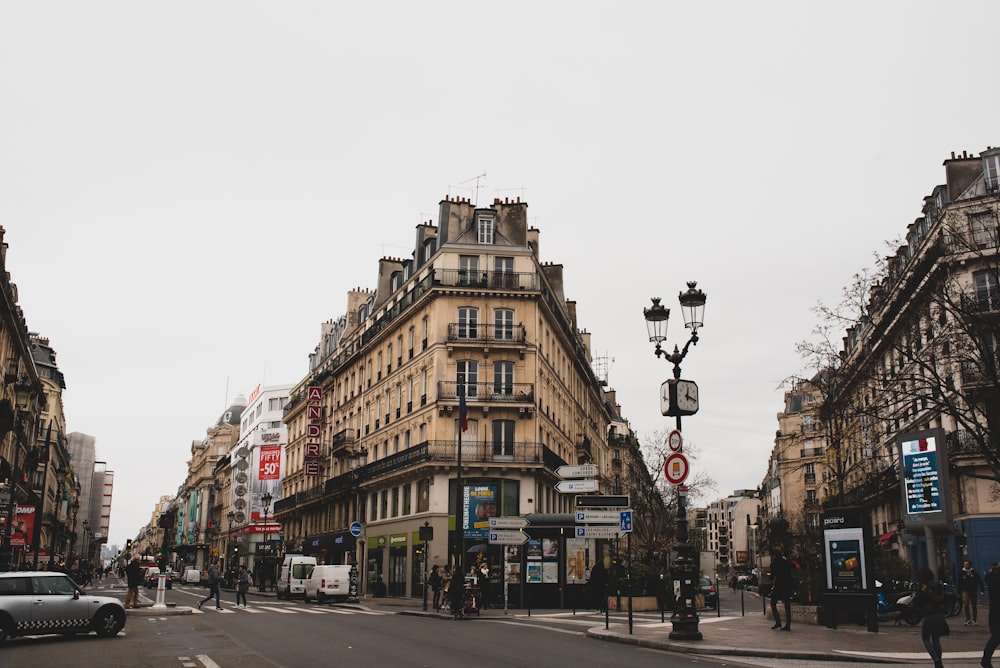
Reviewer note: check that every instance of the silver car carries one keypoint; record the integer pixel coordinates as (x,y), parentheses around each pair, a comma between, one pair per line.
(45,602)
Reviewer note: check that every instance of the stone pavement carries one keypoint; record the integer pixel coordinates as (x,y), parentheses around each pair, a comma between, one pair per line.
(741,630)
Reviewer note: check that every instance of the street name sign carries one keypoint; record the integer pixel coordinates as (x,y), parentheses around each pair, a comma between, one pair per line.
(569,486)
(599,516)
(580,471)
(602,501)
(598,531)
(508,522)
(502,537)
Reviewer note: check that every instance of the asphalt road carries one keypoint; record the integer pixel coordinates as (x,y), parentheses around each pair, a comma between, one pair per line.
(292,634)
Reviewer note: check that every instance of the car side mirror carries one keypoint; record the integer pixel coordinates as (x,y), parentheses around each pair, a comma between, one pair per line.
(76,594)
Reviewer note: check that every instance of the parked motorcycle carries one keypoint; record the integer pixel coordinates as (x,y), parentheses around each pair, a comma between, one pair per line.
(896,606)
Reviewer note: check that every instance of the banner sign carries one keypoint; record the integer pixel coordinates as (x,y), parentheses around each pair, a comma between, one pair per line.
(479,504)
(270,462)
(24,526)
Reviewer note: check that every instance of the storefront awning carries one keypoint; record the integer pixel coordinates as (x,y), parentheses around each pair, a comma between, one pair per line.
(886,538)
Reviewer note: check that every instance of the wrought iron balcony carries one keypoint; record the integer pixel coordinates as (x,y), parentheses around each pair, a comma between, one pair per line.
(481,334)
(486,280)
(516,393)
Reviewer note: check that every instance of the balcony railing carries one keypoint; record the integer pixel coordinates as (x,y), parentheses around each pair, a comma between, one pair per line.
(495,334)
(518,393)
(486,280)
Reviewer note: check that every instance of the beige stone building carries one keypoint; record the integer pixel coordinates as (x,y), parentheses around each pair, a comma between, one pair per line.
(474,311)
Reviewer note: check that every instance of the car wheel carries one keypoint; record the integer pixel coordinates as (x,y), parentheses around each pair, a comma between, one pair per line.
(320,597)
(108,622)
(6,627)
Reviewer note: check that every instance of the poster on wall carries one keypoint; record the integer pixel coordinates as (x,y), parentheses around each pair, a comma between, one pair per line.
(513,573)
(534,571)
(24,526)
(479,504)
(577,561)
(533,548)
(550,572)
(550,549)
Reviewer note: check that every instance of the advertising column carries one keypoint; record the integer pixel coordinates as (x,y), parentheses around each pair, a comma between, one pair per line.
(850,580)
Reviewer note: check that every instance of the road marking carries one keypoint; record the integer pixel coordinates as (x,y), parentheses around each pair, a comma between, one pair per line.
(281,610)
(206,661)
(534,626)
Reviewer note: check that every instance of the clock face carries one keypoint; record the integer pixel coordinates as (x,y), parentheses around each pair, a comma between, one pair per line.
(665,398)
(687,396)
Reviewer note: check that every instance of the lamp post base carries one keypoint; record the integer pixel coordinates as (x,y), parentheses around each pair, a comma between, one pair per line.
(685,617)
(685,628)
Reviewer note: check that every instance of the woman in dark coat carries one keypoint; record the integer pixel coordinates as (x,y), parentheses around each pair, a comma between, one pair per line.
(930,601)
(599,587)
(784,585)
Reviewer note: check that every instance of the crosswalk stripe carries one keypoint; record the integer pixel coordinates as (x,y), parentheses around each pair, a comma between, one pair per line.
(282,611)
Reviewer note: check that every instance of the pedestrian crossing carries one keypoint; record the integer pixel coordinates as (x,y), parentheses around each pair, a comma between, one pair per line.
(280,609)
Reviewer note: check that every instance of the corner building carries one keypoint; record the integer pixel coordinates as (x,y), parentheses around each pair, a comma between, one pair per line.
(474,309)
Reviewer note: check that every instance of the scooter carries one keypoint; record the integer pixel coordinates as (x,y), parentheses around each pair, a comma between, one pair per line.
(896,606)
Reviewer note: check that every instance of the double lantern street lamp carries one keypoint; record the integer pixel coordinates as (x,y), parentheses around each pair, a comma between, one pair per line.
(268,563)
(680,397)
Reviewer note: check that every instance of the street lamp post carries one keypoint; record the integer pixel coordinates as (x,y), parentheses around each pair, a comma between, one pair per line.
(266,500)
(86,539)
(681,399)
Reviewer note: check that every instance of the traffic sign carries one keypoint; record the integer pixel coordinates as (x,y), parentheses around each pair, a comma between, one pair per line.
(581,471)
(511,522)
(501,537)
(625,521)
(598,531)
(598,516)
(602,501)
(355,529)
(569,486)
(676,468)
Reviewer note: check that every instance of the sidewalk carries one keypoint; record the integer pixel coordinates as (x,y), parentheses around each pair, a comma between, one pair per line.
(750,634)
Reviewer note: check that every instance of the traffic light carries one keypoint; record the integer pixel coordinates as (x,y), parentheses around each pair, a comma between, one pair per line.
(128,545)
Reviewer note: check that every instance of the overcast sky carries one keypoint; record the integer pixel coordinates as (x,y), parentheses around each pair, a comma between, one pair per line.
(190,188)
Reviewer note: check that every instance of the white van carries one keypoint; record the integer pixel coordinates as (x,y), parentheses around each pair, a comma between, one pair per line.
(191,576)
(295,570)
(332,582)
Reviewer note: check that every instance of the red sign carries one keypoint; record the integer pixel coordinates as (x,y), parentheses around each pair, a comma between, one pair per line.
(312,450)
(314,393)
(314,412)
(24,526)
(270,462)
(676,468)
(312,431)
(312,468)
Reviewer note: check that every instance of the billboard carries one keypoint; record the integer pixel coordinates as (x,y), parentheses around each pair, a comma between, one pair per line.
(846,536)
(923,461)
(24,526)
(479,504)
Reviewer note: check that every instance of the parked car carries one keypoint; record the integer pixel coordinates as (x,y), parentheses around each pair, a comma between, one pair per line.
(46,602)
(295,570)
(707,588)
(153,579)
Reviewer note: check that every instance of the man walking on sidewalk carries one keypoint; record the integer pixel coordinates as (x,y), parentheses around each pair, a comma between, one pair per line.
(971,586)
(133,573)
(781,575)
(213,586)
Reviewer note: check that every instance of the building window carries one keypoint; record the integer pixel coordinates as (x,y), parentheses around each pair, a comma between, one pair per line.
(468,322)
(991,169)
(468,269)
(503,273)
(503,438)
(411,336)
(374,508)
(986,290)
(423,496)
(384,503)
(467,375)
(503,324)
(485,225)
(423,329)
(503,379)
(395,501)
(407,492)
(984,230)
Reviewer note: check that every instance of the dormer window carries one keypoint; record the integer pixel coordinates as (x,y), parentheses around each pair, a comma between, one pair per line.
(485,225)
(991,170)
(395,280)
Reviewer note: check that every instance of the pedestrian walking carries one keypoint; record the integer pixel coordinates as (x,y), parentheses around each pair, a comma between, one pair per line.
(133,574)
(435,582)
(213,586)
(599,586)
(446,578)
(930,601)
(971,585)
(784,585)
(242,585)
(484,583)
(993,586)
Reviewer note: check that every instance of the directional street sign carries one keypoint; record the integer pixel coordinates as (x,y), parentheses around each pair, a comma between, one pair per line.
(570,486)
(598,531)
(581,471)
(501,537)
(507,522)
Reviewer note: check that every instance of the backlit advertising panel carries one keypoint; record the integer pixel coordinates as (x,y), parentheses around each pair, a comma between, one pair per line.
(923,460)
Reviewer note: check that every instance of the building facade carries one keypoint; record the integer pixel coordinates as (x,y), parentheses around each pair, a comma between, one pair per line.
(471,341)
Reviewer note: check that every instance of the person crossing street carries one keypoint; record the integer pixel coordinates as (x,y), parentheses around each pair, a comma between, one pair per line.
(213,586)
